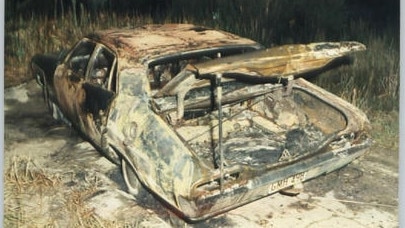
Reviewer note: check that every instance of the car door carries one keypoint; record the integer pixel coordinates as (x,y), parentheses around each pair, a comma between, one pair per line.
(70,76)
(98,90)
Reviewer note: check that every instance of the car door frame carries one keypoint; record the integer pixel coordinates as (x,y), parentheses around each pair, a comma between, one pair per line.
(68,84)
(96,98)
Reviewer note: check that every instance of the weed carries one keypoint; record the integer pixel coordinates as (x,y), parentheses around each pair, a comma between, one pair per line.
(385,129)
(372,83)
(34,197)
(26,188)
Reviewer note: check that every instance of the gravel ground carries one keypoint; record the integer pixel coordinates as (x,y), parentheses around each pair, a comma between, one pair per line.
(77,183)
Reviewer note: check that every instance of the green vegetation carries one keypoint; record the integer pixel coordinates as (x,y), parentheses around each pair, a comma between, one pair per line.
(372,83)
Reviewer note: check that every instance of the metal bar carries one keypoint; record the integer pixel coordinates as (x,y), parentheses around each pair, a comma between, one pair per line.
(221,154)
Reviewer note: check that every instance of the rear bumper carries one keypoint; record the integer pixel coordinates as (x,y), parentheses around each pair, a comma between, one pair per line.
(205,206)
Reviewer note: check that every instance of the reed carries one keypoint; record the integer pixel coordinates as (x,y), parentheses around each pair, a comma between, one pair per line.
(372,82)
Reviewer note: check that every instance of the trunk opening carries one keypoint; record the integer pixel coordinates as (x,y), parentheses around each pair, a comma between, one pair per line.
(262,125)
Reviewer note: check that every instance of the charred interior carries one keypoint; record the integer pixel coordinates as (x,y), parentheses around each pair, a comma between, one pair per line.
(262,124)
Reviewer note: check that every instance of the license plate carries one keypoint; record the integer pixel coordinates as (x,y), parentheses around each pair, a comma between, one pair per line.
(289,181)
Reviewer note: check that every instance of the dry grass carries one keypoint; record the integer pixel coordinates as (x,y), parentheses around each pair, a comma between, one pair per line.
(371,83)
(35,197)
(26,37)
(23,181)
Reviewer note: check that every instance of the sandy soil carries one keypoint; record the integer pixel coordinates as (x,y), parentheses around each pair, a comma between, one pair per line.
(362,194)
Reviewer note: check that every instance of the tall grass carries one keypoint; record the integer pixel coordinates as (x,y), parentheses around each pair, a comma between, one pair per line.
(371,83)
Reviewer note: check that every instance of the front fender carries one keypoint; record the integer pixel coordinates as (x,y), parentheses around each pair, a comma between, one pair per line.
(47,63)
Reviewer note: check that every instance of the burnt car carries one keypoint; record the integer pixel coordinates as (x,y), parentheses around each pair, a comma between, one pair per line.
(203,119)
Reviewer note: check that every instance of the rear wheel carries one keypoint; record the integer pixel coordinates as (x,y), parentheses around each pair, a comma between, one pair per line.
(131,179)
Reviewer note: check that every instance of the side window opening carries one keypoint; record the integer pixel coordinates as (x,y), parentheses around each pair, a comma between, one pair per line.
(161,71)
(159,75)
(100,84)
(186,92)
(112,84)
(80,57)
(101,69)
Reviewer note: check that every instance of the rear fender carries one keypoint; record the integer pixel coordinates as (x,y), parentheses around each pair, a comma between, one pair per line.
(162,162)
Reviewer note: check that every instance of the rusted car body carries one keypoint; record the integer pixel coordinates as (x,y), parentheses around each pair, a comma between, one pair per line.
(203,119)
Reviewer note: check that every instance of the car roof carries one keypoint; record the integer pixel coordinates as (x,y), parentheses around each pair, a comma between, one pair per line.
(153,41)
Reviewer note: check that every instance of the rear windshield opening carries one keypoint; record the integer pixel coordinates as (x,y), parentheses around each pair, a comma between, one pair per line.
(162,70)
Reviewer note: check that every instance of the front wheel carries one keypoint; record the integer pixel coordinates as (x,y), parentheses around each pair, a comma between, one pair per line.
(41,81)
(49,103)
(52,107)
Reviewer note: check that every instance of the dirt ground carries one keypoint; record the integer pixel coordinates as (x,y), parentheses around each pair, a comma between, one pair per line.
(53,178)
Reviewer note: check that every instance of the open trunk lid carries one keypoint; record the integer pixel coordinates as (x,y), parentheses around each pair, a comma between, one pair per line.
(280,61)
(257,126)
(260,111)
(276,64)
